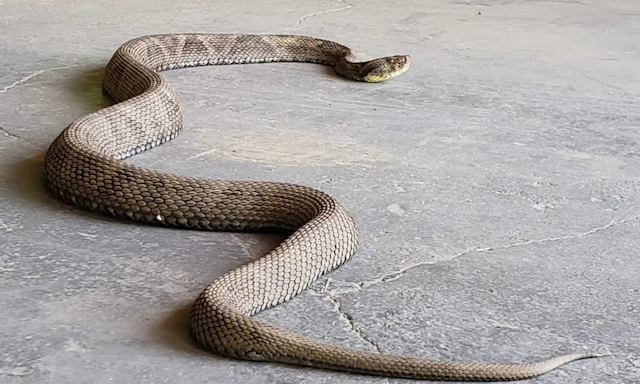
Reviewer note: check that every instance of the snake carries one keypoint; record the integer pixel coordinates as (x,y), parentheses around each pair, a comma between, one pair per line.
(85,166)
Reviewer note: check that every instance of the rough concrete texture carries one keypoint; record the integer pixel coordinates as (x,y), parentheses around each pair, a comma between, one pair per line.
(496,185)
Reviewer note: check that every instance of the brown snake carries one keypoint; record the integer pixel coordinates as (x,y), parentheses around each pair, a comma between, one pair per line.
(84,166)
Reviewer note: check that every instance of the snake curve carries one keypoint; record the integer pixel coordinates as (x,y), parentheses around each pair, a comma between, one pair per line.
(84,166)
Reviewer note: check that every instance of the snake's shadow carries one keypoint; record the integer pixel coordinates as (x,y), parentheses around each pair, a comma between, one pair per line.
(27,175)
(27,183)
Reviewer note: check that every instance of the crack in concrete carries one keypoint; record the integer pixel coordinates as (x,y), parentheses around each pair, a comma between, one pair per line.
(14,136)
(31,76)
(391,276)
(604,83)
(346,317)
(305,17)
(241,243)
(19,82)
(332,294)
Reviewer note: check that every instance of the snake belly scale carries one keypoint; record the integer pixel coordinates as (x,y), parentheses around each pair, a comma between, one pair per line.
(84,166)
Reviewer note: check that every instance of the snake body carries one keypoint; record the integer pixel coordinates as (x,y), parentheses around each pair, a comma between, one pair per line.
(84,166)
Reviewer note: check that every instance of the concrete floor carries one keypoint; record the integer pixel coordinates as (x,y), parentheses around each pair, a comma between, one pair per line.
(496,185)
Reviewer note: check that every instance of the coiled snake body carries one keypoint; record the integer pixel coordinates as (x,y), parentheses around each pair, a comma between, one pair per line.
(84,166)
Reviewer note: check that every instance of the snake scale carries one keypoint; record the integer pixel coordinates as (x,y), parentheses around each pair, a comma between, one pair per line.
(84,166)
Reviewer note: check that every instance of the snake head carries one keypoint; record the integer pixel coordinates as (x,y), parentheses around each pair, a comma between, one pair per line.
(385,68)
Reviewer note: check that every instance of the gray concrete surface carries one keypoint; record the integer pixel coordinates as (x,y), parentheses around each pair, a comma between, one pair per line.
(496,185)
